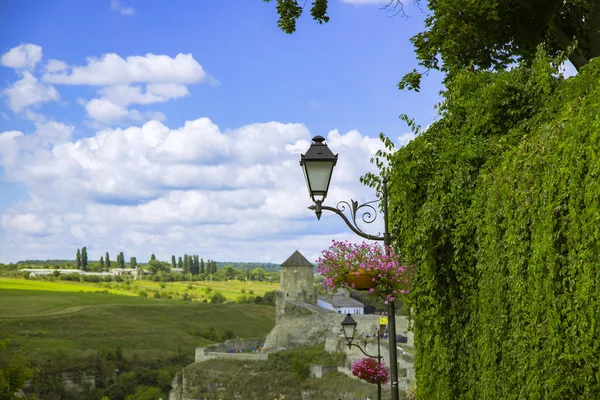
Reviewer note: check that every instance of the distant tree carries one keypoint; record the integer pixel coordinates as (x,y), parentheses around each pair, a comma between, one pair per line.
(258,274)
(121,260)
(173,262)
(78,259)
(152,257)
(212,267)
(133,262)
(84,259)
(102,262)
(195,269)
(180,263)
(202,265)
(156,266)
(186,264)
(230,271)
(107,261)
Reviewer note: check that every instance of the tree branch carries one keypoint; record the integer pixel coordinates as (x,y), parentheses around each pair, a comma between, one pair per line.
(577,58)
(594,31)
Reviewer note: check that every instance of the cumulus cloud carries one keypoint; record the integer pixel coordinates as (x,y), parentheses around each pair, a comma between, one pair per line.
(121,9)
(23,56)
(134,80)
(111,69)
(28,91)
(154,189)
(105,111)
(112,106)
(56,66)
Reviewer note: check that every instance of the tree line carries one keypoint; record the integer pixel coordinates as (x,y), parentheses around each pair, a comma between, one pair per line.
(189,264)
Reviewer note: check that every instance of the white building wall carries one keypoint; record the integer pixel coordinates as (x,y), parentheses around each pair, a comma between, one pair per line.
(324,304)
(350,310)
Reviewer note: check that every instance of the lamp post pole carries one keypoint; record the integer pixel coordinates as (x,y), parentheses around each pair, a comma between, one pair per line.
(318,164)
(348,327)
(392,304)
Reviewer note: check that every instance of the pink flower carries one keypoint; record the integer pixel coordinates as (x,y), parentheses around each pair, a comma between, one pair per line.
(386,270)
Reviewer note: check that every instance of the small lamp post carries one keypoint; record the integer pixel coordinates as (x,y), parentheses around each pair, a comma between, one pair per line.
(317,164)
(349,327)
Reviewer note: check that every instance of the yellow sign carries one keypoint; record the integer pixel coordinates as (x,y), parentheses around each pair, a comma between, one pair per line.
(382,320)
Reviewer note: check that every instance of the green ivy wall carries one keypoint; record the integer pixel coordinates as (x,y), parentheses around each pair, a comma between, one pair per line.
(498,206)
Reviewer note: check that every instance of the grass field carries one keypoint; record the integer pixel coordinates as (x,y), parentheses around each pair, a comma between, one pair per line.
(68,321)
(196,291)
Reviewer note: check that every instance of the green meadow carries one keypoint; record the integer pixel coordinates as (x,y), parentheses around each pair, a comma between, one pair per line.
(232,290)
(74,321)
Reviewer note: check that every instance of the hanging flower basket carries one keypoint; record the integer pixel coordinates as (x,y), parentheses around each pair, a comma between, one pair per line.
(370,370)
(365,267)
(360,280)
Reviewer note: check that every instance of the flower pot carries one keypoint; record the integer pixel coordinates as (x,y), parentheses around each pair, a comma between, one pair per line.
(362,281)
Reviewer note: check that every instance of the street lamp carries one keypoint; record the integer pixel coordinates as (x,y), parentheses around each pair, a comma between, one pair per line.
(348,327)
(317,164)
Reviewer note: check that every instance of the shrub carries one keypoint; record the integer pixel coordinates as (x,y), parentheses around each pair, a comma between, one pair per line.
(218,298)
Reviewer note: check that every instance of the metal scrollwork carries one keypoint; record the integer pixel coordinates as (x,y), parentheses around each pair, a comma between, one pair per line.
(366,212)
(368,215)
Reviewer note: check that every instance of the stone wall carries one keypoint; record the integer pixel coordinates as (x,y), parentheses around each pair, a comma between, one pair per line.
(305,325)
(220,350)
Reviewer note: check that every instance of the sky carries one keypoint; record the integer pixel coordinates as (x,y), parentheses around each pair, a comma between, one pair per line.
(154,127)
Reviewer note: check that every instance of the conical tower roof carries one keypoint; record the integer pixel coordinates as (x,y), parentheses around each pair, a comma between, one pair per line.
(297,260)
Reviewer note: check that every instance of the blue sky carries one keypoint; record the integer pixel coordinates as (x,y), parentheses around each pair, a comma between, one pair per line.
(144,127)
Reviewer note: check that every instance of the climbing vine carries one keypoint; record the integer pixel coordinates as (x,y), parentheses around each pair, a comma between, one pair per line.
(497,204)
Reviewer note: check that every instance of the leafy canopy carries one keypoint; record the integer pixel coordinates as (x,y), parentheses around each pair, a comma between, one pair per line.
(485,34)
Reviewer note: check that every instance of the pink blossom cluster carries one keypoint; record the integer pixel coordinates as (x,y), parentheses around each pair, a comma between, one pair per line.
(370,370)
(392,278)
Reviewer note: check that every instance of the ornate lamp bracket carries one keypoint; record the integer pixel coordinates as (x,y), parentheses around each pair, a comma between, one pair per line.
(358,212)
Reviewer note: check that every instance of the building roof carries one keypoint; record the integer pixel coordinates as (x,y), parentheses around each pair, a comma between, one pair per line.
(341,301)
(297,260)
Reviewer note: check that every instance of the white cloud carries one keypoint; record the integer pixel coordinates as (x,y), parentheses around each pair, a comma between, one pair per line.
(167,91)
(28,91)
(27,223)
(124,95)
(112,106)
(111,69)
(189,189)
(405,138)
(56,66)
(106,111)
(139,80)
(117,6)
(33,116)
(9,148)
(22,56)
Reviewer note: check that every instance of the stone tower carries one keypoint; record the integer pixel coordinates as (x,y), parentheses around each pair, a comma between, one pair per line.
(296,283)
